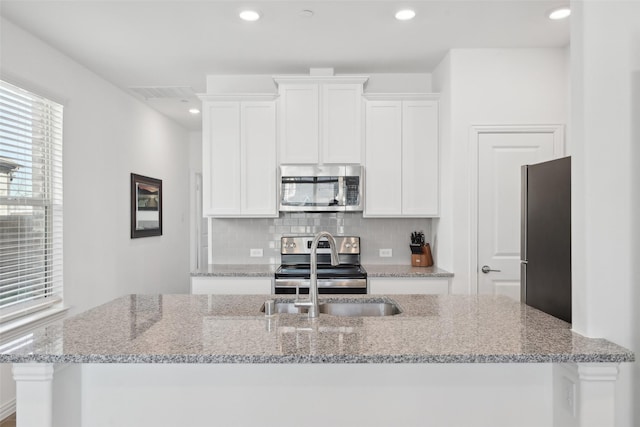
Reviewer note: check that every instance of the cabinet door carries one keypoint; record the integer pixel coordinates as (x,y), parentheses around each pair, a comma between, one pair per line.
(258,156)
(420,175)
(409,285)
(341,123)
(221,158)
(231,286)
(383,158)
(299,123)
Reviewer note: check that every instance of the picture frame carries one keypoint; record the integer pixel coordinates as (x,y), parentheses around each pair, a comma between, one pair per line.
(146,206)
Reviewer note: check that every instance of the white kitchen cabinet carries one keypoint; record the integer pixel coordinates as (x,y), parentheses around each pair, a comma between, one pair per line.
(299,123)
(320,119)
(383,159)
(409,285)
(239,157)
(231,285)
(341,108)
(401,156)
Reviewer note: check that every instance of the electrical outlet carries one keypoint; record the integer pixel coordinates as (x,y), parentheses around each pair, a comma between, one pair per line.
(386,253)
(255,253)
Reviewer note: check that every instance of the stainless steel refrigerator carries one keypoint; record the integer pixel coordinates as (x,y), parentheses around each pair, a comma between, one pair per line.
(545,279)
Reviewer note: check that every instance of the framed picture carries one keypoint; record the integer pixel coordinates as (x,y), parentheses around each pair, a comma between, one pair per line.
(146,206)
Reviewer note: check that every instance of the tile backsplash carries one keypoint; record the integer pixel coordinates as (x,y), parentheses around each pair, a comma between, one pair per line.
(233,238)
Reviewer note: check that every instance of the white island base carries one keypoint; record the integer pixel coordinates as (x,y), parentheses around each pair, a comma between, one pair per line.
(400,395)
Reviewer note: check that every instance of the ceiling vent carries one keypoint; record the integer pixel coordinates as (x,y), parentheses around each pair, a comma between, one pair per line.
(157,92)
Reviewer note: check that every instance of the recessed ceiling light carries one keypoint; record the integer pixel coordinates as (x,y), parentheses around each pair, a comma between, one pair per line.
(194,111)
(405,14)
(560,13)
(250,15)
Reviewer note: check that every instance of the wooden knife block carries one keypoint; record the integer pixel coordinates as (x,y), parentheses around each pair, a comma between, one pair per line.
(424,259)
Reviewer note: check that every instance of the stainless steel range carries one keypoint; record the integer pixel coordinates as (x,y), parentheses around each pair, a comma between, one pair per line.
(349,277)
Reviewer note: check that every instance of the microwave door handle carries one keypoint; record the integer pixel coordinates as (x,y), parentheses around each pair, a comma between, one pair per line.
(342,195)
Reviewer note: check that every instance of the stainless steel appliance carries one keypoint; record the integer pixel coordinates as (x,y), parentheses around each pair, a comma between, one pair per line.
(348,277)
(321,188)
(546,237)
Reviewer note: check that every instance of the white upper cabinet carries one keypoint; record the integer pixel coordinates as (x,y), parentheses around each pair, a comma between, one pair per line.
(383,158)
(320,119)
(239,158)
(420,158)
(221,158)
(341,130)
(258,156)
(299,123)
(401,156)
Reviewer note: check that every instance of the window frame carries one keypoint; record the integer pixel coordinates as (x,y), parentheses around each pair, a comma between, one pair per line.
(22,112)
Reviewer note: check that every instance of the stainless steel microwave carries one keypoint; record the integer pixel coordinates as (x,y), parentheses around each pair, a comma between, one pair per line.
(321,188)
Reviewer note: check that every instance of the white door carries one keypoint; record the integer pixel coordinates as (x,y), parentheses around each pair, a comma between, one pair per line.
(501,153)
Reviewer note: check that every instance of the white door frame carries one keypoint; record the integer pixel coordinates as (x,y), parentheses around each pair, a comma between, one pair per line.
(474,135)
(195,222)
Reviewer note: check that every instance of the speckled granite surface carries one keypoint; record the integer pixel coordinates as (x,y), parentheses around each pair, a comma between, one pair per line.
(267,270)
(231,329)
(380,270)
(236,270)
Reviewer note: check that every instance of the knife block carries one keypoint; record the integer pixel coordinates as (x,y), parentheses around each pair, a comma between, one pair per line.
(423,259)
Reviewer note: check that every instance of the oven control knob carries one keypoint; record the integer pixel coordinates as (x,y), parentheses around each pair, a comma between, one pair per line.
(292,245)
(348,245)
(355,246)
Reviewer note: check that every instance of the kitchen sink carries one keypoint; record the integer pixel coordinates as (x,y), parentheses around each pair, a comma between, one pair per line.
(359,309)
(351,308)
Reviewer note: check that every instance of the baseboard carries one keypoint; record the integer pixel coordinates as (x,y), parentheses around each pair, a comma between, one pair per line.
(7,409)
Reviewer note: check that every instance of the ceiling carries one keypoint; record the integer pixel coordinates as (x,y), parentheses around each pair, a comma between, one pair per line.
(174,45)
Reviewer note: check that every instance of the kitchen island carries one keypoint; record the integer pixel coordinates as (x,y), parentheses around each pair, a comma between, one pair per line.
(200,360)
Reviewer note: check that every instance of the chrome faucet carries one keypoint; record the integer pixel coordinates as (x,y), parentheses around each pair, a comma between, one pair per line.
(312,302)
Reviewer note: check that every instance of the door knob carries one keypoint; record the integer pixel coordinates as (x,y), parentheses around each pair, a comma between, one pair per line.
(485,269)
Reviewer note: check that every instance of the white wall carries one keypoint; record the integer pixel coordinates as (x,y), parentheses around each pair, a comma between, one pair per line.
(398,82)
(442,228)
(487,87)
(605,73)
(107,135)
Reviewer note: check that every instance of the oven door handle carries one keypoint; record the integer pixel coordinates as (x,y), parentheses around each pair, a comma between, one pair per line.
(322,283)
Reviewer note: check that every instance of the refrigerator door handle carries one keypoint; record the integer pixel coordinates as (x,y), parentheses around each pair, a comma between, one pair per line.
(524,212)
(523,281)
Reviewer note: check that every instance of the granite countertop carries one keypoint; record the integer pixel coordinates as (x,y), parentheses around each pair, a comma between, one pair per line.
(267,270)
(231,329)
(236,270)
(382,270)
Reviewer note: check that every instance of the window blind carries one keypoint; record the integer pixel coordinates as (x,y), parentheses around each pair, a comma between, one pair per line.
(30,202)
